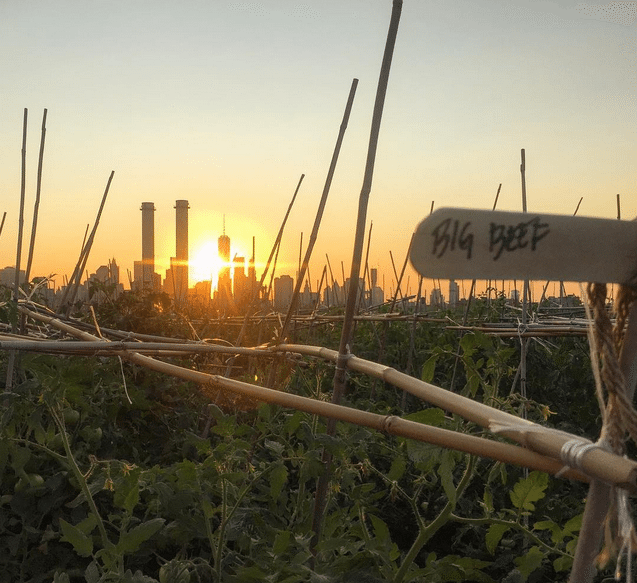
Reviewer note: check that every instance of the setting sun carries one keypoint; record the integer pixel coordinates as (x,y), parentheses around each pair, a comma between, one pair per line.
(206,263)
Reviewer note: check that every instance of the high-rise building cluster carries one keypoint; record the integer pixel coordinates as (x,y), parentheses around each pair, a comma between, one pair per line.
(235,287)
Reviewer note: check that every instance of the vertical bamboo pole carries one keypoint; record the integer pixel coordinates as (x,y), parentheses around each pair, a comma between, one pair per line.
(303,266)
(365,270)
(495,203)
(523,339)
(37,199)
(346,339)
(16,287)
(336,299)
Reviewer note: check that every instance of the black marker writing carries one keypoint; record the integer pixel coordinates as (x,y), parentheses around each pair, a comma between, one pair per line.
(514,237)
(449,234)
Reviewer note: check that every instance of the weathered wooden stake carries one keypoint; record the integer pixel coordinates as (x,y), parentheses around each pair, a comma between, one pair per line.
(346,333)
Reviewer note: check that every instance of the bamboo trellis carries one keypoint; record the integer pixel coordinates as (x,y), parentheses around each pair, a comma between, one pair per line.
(541,446)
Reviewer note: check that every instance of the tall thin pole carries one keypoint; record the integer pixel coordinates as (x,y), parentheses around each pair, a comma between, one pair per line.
(523,339)
(16,286)
(37,200)
(303,266)
(346,333)
(619,208)
(89,244)
(336,299)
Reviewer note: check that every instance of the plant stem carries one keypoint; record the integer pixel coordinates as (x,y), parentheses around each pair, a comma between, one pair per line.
(425,534)
(81,480)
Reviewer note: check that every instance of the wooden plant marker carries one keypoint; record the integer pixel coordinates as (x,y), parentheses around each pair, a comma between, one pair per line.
(456,243)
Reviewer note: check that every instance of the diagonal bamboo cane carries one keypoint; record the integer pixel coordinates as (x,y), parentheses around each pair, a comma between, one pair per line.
(319,213)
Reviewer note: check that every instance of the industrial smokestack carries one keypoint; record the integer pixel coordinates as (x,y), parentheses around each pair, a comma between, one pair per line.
(148,244)
(181,280)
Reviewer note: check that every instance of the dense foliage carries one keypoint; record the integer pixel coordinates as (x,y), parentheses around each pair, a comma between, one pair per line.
(111,472)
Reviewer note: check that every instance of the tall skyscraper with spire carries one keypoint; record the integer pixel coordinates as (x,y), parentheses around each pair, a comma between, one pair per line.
(181,256)
(224,287)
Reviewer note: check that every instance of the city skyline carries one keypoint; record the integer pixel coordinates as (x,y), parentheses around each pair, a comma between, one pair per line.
(226,104)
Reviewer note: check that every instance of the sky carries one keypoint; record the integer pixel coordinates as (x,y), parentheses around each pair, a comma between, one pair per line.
(226,104)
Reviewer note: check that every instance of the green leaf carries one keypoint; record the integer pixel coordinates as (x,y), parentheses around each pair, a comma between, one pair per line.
(130,541)
(445,471)
(430,416)
(563,563)
(274,446)
(556,531)
(380,529)
(428,369)
(127,491)
(281,542)
(82,543)
(487,500)
(529,490)
(473,383)
(92,573)
(468,344)
(494,536)
(278,476)
(530,562)
(573,525)
(397,469)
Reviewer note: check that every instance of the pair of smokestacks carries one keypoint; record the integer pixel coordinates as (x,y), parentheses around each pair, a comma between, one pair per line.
(179,264)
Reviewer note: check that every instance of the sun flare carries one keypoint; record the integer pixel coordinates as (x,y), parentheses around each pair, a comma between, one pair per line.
(206,263)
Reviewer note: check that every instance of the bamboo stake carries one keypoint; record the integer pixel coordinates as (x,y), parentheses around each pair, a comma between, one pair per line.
(366,268)
(412,342)
(303,267)
(402,273)
(16,287)
(336,298)
(495,203)
(346,333)
(277,241)
(70,280)
(619,208)
(37,199)
(89,243)
(525,291)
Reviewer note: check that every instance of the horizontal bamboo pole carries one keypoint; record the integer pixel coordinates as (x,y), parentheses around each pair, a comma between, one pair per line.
(70,346)
(500,451)
(599,464)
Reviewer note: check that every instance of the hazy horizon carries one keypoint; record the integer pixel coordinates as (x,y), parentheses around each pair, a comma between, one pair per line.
(226,104)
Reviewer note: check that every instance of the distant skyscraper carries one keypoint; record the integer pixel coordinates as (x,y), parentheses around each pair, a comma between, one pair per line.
(224,286)
(148,245)
(283,289)
(181,263)
(453,293)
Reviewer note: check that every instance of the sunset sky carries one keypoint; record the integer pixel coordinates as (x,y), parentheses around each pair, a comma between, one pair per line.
(226,104)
